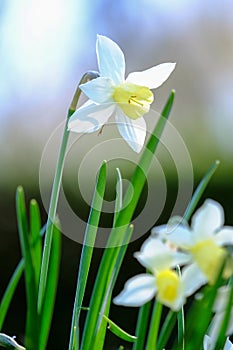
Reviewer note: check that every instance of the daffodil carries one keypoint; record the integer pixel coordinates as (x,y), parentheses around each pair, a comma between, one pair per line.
(205,240)
(219,309)
(209,344)
(111,94)
(163,282)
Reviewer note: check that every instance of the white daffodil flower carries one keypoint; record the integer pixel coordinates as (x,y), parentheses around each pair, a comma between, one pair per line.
(205,240)
(219,310)
(209,344)
(111,94)
(169,288)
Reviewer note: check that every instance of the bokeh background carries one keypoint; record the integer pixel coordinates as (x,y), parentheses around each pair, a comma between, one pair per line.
(46,46)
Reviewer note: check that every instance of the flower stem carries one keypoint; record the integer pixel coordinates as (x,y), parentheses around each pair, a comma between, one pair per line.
(55,191)
(154,326)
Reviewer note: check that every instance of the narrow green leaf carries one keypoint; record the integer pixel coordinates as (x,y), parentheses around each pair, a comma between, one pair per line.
(51,288)
(167,327)
(9,292)
(87,250)
(200,189)
(35,238)
(142,326)
(119,196)
(105,307)
(9,342)
(31,336)
(115,329)
(117,235)
(154,326)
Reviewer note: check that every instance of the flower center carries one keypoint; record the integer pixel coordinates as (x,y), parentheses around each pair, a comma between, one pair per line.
(168,284)
(209,257)
(133,99)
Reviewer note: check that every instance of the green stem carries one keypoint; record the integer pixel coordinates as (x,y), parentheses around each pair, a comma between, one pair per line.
(141,328)
(168,326)
(154,326)
(87,252)
(55,192)
(200,189)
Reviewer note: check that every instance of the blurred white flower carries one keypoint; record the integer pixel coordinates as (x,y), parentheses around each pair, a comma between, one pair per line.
(128,99)
(170,289)
(205,240)
(219,309)
(208,344)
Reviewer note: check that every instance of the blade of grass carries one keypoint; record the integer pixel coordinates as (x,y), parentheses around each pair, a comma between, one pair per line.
(154,326)
(35,238)
(141,328)
(105,307)
(102,324)
(31,337)
(117,234)
(51,288)
(167,327)
(10,290)
(87,250)
(119,332)
(200,189)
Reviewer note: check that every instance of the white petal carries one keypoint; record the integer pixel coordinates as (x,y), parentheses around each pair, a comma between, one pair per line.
(179,235)
(216,325)
(111,60)
(90,117)
(228,345)
(224,236)
(133,131)
(137,291)
(152,77)
(207,342)
(154,255)
(193,279)
(222,298)
(207,219)
(157,256)
(98,90)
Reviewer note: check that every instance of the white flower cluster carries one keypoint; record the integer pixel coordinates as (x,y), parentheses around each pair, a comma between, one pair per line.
(201,251)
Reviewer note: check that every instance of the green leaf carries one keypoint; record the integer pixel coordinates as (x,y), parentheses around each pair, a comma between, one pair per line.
(87,250)
(9,343)
(10,290)
(154,326)
(32,326)
(142,326)
(167,327)
(119,232)
(51,287)
(35,238)
(200,189)
(119,196)
(115,329)
(105,307)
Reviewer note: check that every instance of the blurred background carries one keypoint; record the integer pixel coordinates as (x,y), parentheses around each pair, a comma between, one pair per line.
(46,46)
